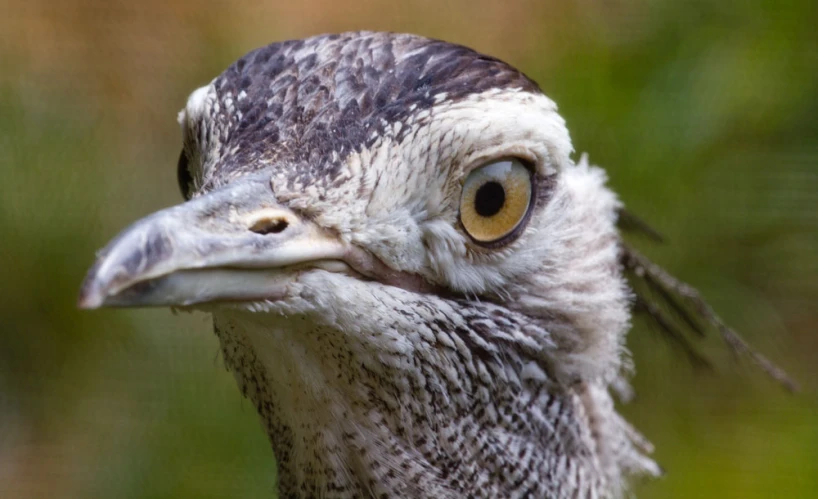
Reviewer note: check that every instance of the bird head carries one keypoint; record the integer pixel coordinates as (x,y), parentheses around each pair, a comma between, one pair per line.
(331,178)
(415,283)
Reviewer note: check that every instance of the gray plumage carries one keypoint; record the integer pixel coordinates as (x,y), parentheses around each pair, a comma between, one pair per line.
(388,351)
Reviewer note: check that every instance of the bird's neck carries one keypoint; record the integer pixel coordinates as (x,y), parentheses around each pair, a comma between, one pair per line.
(438,416)
(332,414)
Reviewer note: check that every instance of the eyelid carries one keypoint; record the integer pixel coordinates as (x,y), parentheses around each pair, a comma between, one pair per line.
(526,157)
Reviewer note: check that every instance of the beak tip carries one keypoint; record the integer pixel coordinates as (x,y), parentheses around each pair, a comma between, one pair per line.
(90,298)
(92,294)
(89,302)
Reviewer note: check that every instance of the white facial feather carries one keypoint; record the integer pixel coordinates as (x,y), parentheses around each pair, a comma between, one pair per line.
(400,200)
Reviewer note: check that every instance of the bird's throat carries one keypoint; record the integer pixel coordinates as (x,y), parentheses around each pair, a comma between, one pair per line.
(314,404)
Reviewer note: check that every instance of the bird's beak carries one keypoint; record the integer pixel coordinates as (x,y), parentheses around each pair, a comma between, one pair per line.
(228,245)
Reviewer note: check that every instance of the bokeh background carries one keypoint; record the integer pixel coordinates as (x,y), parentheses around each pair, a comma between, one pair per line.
(704,113)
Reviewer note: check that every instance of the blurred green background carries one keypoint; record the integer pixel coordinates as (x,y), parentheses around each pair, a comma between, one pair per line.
(704,113)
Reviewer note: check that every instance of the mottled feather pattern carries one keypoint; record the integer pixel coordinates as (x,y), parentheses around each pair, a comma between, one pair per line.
(313,101)
(445,412)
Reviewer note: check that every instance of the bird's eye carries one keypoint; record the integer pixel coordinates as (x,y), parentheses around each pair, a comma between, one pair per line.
(495,200)
(183,176)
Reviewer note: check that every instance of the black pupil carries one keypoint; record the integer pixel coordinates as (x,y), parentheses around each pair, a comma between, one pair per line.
(183,176)
(489,199)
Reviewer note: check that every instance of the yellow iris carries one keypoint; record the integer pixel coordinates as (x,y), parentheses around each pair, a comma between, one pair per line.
(495,199)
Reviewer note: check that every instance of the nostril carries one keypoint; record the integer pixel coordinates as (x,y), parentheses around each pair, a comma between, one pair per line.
(274,225)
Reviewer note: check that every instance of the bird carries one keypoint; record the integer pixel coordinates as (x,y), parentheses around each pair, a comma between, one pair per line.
(418,287)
